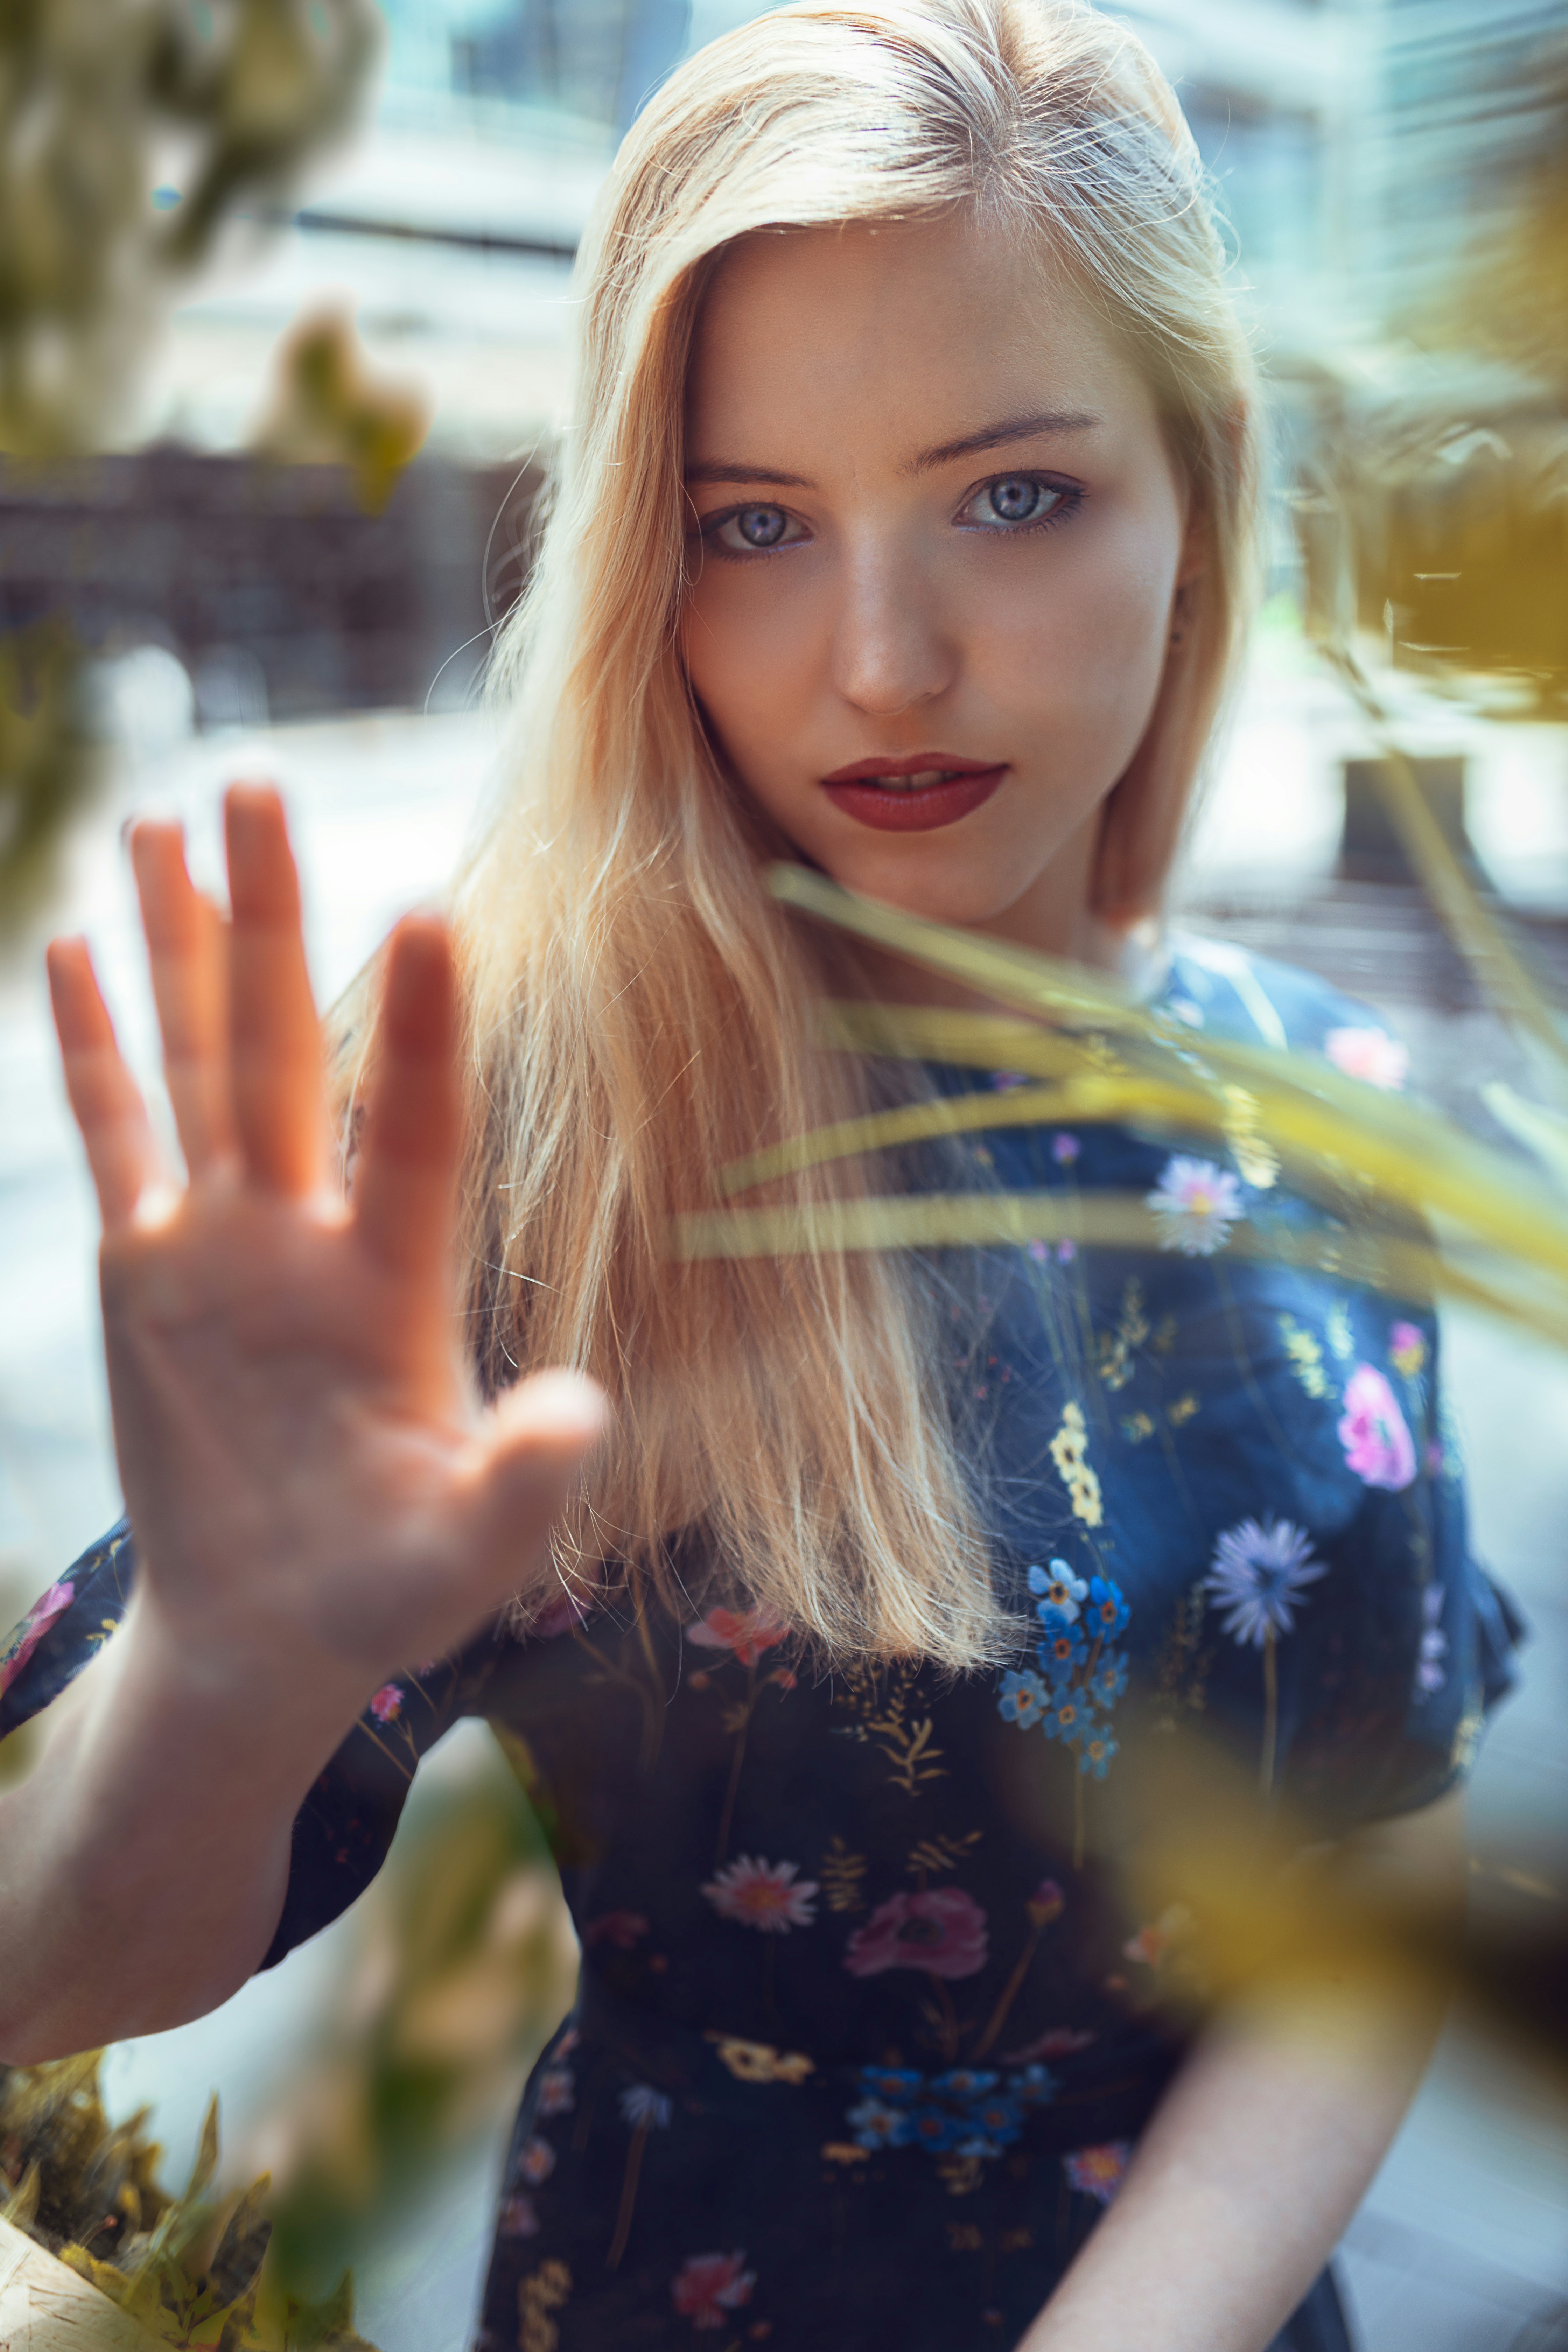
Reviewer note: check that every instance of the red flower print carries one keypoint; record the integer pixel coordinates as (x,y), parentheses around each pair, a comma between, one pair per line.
(388,1704)
(622,1928)
(745,1636)
(941,1931)
(32,1629)
(763,1894)
(708,2285)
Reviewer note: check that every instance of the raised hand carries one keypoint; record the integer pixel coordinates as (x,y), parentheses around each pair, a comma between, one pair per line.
(315,1493)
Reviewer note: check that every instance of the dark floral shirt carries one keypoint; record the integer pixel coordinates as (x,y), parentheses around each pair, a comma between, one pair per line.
(865,2026)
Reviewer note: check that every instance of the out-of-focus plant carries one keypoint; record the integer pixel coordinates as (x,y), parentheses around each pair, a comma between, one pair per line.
(187,2270)
(48,760)
(331,408)
(1432,525)
(465,1964)
(130,133)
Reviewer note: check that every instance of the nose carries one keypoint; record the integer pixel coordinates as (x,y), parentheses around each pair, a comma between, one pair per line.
(891,648)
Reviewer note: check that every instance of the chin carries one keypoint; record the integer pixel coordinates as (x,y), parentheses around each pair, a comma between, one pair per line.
(938,885)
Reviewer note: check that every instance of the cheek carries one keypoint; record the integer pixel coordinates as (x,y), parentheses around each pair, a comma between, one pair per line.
(1089,631)
(743,651)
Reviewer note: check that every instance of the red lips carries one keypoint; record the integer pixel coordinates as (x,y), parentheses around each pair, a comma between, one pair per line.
(904,808)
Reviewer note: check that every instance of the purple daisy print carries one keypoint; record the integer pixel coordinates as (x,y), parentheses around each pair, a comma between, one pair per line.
(1260,1569)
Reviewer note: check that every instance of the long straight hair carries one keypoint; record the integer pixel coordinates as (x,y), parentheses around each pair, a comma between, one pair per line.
(639,1012)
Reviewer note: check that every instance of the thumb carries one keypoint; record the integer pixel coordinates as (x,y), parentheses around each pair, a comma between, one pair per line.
(531,1448)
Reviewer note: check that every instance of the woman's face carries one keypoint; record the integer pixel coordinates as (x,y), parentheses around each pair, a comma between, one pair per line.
(936,540)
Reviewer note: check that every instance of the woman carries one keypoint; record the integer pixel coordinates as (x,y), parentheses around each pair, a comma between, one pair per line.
(905,528)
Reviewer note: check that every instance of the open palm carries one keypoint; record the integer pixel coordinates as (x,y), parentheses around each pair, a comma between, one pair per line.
(313,1488)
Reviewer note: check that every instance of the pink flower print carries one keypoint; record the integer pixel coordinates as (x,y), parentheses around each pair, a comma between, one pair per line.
(388,1704)
(1047,1903)
(1407,1349)
(1430,1673)
(1369,1053)
(1153,1944)
(708,2285)
(621,1928)
(763,1894)
(1378,1445)
(745,1634)
(1007,1082)
(1099,2172)
(567,1610)
(557,2091)
(43,1613)
(1065,1149)
(1196,1204)
(519,2217)
(1056,2042)
(537,2161)
(941,1931)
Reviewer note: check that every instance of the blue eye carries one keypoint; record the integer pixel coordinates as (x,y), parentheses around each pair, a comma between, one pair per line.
(761,526)
(752,531)
(1012,500)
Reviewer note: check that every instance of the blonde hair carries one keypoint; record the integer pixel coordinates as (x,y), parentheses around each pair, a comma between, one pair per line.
(640,1012)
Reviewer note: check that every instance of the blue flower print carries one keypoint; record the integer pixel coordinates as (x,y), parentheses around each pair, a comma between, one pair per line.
(965,2083)
(1109,1679)
(875,2126)
(1059,1592)
(1000,2118)
(1068,1716)
(1024,1699)
(1060,1652)
(1108,1612)
(978,2147)
(1036,2085)
(936,2128)
(893,2081)
(1096,1753)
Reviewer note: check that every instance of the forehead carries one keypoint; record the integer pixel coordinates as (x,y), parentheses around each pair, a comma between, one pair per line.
(893,332)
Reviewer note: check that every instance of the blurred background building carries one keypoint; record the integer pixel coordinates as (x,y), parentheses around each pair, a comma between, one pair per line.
(270,613)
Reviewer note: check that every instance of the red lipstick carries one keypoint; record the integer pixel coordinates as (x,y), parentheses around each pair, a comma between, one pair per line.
(955,787)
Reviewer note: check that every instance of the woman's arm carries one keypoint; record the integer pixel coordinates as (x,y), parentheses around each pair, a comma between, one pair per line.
(1265,2142)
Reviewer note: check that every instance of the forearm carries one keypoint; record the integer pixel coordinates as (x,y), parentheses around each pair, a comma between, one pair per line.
(1264,2146)
(1239,2193)
(143,1862)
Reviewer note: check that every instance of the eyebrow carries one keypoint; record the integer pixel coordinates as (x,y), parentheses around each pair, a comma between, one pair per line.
(941,453)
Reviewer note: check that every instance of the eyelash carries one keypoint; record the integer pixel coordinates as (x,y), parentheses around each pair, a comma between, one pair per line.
(1070,498)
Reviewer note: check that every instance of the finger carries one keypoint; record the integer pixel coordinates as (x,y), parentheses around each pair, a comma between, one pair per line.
(406,1179)
(188,954)
(529,1457)
(275,1041)
(104,1098)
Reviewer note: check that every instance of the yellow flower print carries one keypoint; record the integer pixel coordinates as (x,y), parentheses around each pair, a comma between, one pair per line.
(759,2062)
(1069,1451)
